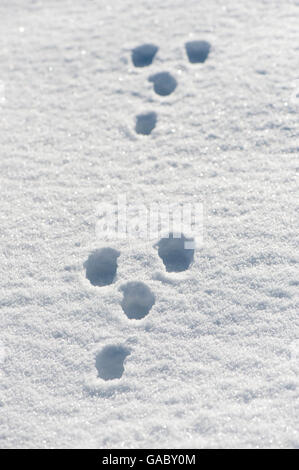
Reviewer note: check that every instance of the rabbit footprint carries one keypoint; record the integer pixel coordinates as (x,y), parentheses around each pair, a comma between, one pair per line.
(142,56)
(145,123)
(101,266)
(163,82)
(138,300)
(197,51)
(177,254)
(110,361)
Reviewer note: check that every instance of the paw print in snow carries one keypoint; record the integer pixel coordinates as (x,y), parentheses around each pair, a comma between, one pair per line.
(164,83)
(177,254)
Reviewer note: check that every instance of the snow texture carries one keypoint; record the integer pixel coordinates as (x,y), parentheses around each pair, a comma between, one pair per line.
(214,363)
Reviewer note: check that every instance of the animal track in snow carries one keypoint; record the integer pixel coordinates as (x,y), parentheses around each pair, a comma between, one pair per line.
(138,300)
(164,83)
(110,362)
(142,56)
(145,123)
(176,253)
(197,51)
(101,266)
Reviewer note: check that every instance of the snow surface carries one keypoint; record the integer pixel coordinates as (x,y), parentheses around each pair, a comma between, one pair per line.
(215,362)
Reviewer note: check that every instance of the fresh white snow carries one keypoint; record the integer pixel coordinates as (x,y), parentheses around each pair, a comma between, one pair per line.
(214,362)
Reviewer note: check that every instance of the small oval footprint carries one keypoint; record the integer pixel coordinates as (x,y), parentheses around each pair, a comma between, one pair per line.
(101,266)
(110,362)
(145,123)
(142,56)
(177,253)
(197,51)
(164,83)
(137,301)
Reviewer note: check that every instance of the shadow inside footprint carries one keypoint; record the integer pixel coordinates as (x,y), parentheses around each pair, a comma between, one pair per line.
(110,362)
(138,300)
(176,253)
(145,123)
(101,266)
(164,83)
(197,51)
(143,56)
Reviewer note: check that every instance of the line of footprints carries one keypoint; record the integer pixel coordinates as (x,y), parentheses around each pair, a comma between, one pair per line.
(101,265)
(163,82)
(138,299)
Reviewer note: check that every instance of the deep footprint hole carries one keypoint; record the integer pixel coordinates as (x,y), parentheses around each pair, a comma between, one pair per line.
(142,56)
(137,301)
(101,266)
(110,362)
(145,123)
(197,51)
(177,254)
(164,83)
